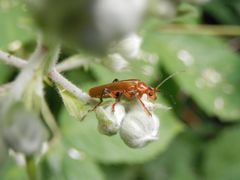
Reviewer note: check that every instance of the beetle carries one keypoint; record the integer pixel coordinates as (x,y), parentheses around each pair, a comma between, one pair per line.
(130,89)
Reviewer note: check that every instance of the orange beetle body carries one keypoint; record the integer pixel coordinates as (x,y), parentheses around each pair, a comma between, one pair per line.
(130,89)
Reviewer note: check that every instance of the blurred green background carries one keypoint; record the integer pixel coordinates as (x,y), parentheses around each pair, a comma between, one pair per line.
(199,136)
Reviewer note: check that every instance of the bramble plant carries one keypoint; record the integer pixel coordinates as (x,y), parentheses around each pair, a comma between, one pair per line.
(60,49)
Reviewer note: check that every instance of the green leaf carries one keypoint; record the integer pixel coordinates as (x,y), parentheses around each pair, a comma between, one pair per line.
(187,13)
(178,162)
(120,172)
(58,164)
(85,137)
(212,69)
(76,107)
(222,160)
(14,22)
(224,11)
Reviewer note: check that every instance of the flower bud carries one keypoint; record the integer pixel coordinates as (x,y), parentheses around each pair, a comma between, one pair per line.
(129,47)
(109,121)
(138,127)
(87,24)
(22,130)
(116,62)
(148,104)
(163,8)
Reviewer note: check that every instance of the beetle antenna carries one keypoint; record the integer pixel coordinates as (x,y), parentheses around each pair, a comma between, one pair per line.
(167,78)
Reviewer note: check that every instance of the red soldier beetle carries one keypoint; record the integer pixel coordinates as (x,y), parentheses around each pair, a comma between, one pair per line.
(130,89)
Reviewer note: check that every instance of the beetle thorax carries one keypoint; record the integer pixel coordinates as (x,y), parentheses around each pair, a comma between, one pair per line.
(142,87)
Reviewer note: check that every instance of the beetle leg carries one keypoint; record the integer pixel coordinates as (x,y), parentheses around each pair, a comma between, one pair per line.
(118,97)
(143,105)
(115,80)
(128,95)
(104,92)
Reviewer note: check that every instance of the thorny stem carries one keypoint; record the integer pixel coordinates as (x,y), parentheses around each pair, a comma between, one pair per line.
(65,65)
(71,63)
(67,85)
(54,75)
(50,120)
(28,71)
(52,59)
(12,60)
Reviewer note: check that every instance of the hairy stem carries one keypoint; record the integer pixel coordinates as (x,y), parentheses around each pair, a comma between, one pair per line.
(29,72)
(12,60)
(71,63)
(49,119)
(53,75)
(67,85)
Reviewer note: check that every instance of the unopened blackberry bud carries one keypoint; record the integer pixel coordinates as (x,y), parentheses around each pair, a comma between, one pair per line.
(22,130)
(116,62)
(138,127)
(163,8)
(109,121)
(87,24)
(118,18)
(129,47)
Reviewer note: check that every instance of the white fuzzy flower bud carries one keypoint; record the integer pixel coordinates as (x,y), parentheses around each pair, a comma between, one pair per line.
(109,122)
(129,47)
(138,127)
(163,8)
(148,104)
(22,130)
(116,18)
(88,24)
(116,62)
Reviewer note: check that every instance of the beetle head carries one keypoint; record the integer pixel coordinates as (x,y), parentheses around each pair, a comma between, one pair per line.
(151,93)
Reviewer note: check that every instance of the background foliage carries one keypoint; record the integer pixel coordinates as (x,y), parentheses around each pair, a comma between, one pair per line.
(198,137)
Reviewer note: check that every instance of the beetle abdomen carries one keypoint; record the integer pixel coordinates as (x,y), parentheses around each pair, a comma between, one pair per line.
(96,92)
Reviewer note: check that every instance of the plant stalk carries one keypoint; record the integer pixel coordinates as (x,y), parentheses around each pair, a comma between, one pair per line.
(31,168)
